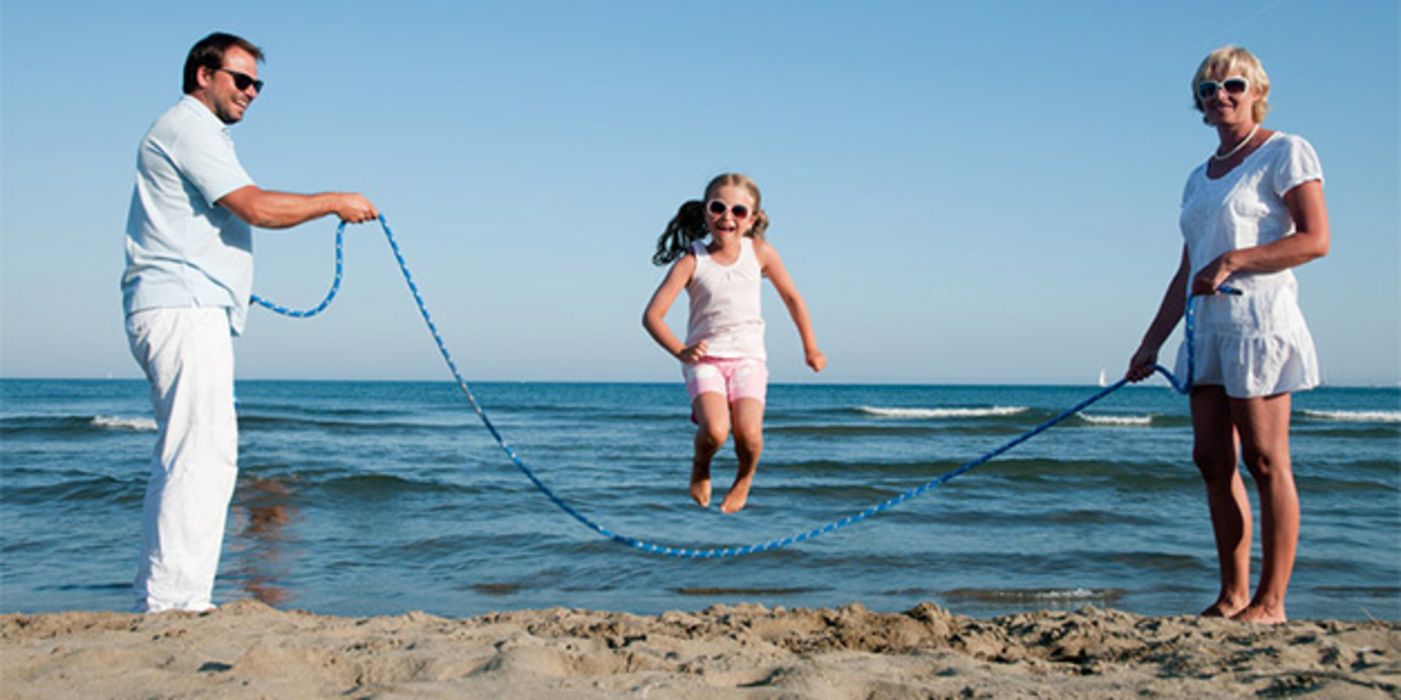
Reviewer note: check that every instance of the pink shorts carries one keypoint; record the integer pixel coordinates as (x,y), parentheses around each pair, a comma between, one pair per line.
(734,378)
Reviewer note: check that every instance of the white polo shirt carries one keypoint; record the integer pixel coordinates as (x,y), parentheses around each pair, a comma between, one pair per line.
(181,249)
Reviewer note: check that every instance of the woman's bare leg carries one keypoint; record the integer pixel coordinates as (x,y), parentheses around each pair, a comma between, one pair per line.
(1214,452)
(1263,425)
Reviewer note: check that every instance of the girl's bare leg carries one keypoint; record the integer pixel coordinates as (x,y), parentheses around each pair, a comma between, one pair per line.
(713,419)
(1263,424)
(1214,452)
(749,444)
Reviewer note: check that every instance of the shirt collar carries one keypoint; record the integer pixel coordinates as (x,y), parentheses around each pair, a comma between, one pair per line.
(189,102)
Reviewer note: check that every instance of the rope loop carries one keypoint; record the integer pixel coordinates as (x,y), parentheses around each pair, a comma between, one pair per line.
(335,286)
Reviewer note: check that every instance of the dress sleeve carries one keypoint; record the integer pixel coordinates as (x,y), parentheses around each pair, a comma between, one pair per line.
(1297,164)
(1191,185)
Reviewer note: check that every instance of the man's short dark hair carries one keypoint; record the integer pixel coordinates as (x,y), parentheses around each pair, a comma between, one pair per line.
(209,53)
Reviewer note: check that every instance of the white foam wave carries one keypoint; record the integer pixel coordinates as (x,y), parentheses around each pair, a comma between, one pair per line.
(983,412)
(1072,594)
(1355,416)
(1116,420)
(123,423)
(1043,595)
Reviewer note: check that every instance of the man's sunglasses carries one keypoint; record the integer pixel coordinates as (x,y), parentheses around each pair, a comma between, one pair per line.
(1234,86)
(718,207)
(243,80)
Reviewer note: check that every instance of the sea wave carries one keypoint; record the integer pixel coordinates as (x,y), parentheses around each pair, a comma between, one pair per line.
(853,430)
(1034,595)
(1116,420)
(1354,416)
(124,423)
(975,412)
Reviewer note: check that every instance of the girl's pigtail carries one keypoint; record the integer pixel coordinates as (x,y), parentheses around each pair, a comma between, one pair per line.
(761,224)
(684,229)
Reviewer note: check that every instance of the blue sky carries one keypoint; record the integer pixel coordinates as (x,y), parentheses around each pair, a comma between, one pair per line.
(964,192)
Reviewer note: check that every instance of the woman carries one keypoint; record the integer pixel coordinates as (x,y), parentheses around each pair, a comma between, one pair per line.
(1254,210)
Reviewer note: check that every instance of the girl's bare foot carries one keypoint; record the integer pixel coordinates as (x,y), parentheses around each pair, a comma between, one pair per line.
(738,495)
(700,492)
(700,484)
(1260,615)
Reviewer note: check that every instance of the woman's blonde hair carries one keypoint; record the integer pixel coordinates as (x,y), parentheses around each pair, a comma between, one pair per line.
(688,226)
(1230,61)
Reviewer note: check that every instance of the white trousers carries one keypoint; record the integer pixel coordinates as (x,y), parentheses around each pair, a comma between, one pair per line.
(187,354)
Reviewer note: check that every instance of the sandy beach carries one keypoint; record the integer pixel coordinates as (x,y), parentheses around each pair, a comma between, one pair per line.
(247,649)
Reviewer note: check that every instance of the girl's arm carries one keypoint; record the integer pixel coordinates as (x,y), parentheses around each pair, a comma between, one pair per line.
(772,267)
(1310,240)
(1169,311)
(654,318)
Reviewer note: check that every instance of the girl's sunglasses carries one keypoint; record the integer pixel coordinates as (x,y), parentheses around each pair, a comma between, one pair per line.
(243,80)
(718,207)
(1233,86)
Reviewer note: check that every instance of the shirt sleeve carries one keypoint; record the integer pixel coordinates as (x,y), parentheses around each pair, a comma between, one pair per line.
(207,159)
(1297,164)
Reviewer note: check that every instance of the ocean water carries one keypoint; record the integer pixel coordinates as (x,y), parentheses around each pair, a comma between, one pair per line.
(359,498)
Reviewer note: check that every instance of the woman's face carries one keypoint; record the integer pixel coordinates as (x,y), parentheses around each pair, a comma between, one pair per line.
(1227,107)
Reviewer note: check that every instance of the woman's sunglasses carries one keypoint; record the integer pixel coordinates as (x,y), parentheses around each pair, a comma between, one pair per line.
(243,80)
(1233,86)
(718,207)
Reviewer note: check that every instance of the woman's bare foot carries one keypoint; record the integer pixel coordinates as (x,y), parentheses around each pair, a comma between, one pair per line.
(1219,610)
(700,485)
(1224,607)
(738,495)
(1261,616)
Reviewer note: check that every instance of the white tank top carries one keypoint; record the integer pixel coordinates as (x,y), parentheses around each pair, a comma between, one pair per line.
(725,304)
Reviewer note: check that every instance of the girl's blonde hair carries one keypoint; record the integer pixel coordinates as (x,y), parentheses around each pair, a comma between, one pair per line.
(1232,61)
(688,226)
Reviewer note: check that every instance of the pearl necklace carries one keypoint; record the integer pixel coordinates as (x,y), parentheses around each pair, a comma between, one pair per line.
(1239,146)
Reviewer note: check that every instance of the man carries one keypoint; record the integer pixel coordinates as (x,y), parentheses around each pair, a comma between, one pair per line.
(189,274)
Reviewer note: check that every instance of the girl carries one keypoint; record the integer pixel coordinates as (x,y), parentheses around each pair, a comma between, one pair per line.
(723,356)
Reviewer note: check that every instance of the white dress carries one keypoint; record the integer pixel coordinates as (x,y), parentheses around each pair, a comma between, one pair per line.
(1255,344)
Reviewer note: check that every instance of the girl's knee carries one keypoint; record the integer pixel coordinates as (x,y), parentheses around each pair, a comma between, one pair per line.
(712,436)
(749,439)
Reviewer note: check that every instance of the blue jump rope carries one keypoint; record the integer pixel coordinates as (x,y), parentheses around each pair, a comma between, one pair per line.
(1181,385)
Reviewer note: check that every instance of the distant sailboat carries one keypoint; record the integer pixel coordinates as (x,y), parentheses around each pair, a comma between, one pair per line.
(1103,380)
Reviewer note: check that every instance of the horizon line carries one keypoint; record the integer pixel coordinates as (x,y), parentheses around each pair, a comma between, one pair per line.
(1155,382)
